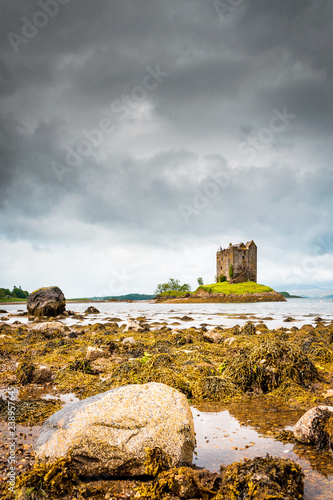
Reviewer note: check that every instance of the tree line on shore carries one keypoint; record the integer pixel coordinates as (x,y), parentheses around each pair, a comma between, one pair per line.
(16,293)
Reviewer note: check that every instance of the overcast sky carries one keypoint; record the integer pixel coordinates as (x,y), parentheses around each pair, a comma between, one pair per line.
(137,136)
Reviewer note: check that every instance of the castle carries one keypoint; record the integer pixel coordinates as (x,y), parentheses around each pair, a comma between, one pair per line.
(237,263)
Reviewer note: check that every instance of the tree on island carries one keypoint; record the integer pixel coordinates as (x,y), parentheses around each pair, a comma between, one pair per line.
(200,281)
(174,285)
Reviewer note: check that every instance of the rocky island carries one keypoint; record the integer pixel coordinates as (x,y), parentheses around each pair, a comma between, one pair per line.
(224,292)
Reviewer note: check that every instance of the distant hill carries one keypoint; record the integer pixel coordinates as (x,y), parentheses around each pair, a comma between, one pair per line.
(288,296)
(129,296)
(308,290)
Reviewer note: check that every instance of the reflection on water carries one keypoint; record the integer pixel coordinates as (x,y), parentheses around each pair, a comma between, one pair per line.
(229,433)
(66,399)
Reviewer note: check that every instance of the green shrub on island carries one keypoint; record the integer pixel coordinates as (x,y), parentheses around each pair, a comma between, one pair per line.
(221,278)
(172,285)
(236,288)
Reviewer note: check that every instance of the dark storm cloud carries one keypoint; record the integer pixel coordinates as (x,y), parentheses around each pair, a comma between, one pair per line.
(225,77)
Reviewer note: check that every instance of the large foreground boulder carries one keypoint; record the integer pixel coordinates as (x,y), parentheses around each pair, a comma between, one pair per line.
(47,301)
(117,431)
(315,427)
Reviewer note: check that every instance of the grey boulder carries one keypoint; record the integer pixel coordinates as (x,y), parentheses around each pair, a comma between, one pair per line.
(310,428)
(114,432)
(47,301)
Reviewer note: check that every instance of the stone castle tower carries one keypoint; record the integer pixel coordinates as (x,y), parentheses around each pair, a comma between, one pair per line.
(242,257)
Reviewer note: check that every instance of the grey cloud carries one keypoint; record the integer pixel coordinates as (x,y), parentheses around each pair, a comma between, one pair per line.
(225,78)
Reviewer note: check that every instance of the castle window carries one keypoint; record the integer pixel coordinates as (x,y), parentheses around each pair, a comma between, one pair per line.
(243,257)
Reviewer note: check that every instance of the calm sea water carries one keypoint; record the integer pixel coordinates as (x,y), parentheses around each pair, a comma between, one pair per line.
(273,314)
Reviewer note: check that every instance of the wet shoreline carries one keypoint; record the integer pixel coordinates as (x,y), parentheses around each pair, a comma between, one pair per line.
(191,349)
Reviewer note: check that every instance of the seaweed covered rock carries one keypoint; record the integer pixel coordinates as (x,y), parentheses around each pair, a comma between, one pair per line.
(55,479)
(113,432)
(25,372)
(95,353)
(213,335)
(259,478)
(315,427)
(248,329)
(47,301)
(262,478)
(183,482)
(214,388)
(42,375)
(267,365)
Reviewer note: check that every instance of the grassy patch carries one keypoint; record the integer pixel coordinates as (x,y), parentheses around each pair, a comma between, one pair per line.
(12,299)
(236,288)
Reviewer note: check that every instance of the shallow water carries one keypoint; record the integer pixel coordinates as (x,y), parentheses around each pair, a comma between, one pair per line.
(304,311)
(229,433)
(23,437)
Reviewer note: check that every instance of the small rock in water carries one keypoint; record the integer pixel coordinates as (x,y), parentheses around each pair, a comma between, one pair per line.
(289,319)
(91,310)
(315,427)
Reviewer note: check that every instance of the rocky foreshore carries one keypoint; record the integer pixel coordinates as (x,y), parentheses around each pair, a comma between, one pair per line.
(97,362)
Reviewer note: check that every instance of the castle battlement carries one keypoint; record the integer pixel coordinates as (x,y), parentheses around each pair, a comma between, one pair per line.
(242,257)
